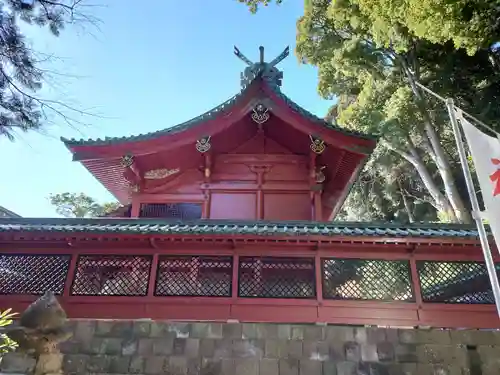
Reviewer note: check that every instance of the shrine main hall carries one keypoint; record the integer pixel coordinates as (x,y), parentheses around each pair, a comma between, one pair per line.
(230,216)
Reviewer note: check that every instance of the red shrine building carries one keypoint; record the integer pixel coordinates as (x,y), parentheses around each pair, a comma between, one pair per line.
(229,216)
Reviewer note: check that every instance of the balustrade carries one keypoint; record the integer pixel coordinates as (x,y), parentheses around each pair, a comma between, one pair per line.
(321,281)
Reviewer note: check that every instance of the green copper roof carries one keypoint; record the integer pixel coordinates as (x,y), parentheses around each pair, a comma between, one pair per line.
(216,227)
(168,131)
(294,106)
(209,115)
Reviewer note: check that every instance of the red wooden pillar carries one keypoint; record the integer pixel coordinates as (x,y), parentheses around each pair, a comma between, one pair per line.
(313,206)
(206,204)
(415,279)
(259,201)
(153,274)
(70,276)
(207,178)
(318,210)
(259,210)
(234,281)
(136,207)
(318,270)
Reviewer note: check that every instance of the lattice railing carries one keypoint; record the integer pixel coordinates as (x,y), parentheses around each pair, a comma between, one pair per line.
(24,274)
(362,279)
(180,211)
(207,276)
(268,277)
(257,277)
(455,282)
(112,275)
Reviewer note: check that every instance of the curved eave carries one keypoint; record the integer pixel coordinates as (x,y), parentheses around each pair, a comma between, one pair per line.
(320,121)
(365,142)
(353,141)
(209,115)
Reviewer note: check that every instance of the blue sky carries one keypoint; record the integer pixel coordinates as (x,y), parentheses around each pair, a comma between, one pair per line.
(146,68)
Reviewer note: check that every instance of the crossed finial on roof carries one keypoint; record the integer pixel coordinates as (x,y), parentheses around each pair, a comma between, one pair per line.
(273,63)
(267,70)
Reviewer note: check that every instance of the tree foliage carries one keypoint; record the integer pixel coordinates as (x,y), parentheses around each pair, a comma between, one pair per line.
(472,25)
(6,343)
(469,24)
(387,190)
(253,5)
(80,205)
(370,58)
(21,76)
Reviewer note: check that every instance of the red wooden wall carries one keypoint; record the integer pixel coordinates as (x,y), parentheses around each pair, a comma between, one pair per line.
(259,180)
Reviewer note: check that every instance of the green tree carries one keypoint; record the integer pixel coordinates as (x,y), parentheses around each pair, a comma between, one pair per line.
(371,65)
(80,205)
(472,25)
(388,189)
(21,74)
(253,5)
(6,343)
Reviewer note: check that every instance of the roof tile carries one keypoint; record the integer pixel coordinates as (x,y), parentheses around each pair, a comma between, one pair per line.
(291,228)
(209,115)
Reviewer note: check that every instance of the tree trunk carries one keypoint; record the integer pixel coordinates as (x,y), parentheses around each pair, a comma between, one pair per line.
(462,214)
(441,202)
(411,218)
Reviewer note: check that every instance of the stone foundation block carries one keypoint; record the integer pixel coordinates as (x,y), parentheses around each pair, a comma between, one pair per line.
(268,366)
(288,367)
(17,363)
(310,367)
(246,366)
(75,364)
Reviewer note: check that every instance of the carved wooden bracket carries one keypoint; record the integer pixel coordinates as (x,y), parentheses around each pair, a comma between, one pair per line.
(320,175)
(260,170)
(131,172)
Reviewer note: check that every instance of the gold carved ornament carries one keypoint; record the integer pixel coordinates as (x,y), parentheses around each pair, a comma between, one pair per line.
(260,114)
(317,145)
(203,144)
(126,161)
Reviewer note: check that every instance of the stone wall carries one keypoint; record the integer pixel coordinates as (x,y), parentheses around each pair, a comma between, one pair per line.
(154,347)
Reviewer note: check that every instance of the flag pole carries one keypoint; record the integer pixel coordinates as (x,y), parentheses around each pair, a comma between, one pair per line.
(476,213)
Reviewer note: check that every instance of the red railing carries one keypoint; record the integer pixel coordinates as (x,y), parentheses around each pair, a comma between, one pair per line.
(322,286)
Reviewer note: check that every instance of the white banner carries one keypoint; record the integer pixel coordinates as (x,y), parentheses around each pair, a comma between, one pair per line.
(485,152)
